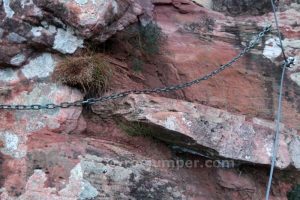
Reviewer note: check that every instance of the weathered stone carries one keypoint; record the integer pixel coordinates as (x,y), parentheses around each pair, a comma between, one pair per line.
(204,3)
(65,41)
(195,126)
(232,180)
(148,8)
(183,6)
(91,170)
(8,75)
(272,49)
(14,132)
(40,67)
(296,78)
(254,7)
(65,154)
(10,145)
(76,189)
(210,39)
(59,25)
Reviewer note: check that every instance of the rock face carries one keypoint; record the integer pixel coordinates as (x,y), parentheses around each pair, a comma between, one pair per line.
(200,132)
(58,25)
(200,127)
(234,7)
(85,169)
(183,6)
(209,39)
(17,126)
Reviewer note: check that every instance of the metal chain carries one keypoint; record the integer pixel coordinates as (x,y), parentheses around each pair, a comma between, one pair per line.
(92,101)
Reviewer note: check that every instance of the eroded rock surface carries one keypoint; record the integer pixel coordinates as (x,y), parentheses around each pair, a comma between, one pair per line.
(72,168)
(59,25)
(17,126)
(196,126)
(233,7)
(209,39)
(73,154)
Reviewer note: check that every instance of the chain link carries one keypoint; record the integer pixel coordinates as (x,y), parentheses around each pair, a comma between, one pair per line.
(171,88)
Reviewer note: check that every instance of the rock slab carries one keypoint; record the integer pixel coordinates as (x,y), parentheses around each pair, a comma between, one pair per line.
(199,127)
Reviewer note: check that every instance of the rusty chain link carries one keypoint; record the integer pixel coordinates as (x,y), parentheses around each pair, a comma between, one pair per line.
(144,91)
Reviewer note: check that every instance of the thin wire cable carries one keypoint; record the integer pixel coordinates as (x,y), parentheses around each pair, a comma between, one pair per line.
(276,142)
(279,110)
(278,31)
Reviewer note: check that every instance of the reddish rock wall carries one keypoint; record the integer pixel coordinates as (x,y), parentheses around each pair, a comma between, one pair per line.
(77,154)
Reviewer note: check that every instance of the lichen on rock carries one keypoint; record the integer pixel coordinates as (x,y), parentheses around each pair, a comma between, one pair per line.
(65,41)
(33,68)
(174,145)
(11,145)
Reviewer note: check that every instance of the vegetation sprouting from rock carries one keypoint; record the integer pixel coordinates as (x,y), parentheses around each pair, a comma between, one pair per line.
(295,193)
(142,43)
(150,38)
(135,129)
(90,73)
(202,28)
(137,64)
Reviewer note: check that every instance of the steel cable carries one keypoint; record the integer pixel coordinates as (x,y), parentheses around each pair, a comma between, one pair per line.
(279,110)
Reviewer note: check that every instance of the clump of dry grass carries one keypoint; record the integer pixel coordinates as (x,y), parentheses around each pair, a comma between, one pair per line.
(91,73)
(4,91)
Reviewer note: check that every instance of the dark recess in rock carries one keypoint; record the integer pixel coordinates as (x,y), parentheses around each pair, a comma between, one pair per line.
(1,175)
(242,7)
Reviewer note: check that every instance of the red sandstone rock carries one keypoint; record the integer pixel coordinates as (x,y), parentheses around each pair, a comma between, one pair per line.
(198,43)
(232,180)
(59,25)
(44,154)
(194,126)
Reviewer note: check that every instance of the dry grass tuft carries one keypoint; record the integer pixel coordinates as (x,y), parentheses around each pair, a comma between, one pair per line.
(5,91)
(91,73)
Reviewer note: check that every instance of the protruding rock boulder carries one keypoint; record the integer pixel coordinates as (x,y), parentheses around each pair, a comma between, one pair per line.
(59,25)
(216,132)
